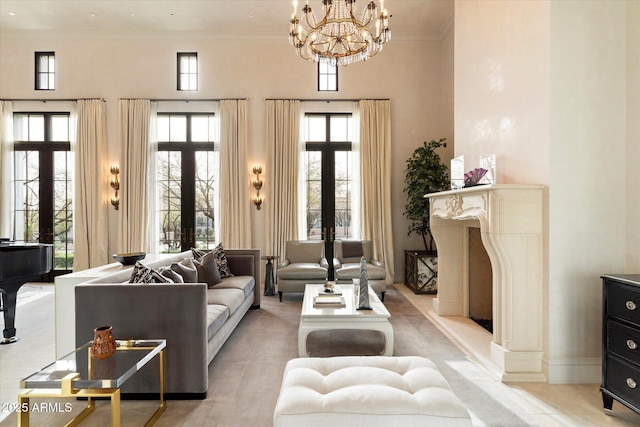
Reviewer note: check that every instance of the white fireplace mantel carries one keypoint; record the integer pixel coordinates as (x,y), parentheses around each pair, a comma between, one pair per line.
(511,222)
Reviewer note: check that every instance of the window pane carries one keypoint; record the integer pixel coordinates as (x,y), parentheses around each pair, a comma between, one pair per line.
(52,82)
(63,211)
(205,230)
(343,194)
(163,128)
(193,82)
(36,128)
(178,128)
(43,63)
(27,196)
(339,128)
(316,128)
(170,200)
(59,128)
(200,129)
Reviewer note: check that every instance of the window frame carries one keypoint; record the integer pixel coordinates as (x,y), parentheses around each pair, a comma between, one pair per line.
(38,72)
(181,72)
(188,150)
(322,75)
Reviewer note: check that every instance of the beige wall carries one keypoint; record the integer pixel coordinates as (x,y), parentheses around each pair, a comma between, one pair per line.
(542,85)
(407,71)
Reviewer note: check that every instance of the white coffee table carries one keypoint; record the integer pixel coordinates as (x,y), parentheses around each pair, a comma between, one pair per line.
(347,317)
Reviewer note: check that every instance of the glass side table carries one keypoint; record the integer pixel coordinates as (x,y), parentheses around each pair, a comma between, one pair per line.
(79,375)
(269,286)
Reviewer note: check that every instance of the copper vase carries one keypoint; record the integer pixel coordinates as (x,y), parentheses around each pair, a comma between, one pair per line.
(104,345)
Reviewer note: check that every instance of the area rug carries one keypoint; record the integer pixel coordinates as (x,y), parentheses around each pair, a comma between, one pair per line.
(245,376)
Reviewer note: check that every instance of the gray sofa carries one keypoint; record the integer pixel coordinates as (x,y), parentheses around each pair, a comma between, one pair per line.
(195,321)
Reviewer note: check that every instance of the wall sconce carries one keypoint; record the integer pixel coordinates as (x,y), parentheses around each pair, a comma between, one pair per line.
(257,184)
(115,184)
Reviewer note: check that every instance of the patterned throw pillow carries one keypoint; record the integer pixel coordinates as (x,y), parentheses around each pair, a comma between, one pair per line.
(221,259)
(144,274)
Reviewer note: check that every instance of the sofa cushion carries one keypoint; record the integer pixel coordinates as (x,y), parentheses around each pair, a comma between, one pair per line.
(302,270)
(231,298)
(207,268)
(143,274)
(352,271)
(216,316)
(186,269)
(244,283)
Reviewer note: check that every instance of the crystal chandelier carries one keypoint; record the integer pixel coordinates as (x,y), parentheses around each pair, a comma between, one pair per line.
(340,38)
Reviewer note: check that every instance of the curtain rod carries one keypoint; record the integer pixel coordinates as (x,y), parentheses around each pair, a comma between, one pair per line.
(328,100)
(52,100)
(188,100)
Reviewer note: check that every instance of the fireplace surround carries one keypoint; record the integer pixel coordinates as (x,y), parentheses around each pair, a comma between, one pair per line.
(511,221)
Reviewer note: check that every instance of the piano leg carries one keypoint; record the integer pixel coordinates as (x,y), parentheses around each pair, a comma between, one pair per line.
(9,299)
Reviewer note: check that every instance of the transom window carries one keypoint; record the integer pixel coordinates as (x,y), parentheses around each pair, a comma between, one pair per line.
(45,71)
(187,71)
(327,77)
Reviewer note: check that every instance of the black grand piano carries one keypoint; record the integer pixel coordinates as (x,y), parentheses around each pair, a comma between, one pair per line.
(19,263)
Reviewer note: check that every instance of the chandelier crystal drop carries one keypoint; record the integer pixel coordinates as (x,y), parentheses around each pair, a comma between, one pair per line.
(340,38)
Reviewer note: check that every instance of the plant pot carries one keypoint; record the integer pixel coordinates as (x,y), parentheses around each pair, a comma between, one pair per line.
(421,271)
(104,345)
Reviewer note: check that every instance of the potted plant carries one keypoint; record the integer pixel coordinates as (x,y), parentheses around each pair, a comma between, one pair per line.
(424,173)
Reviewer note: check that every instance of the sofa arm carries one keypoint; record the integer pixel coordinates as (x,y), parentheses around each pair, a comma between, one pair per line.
(377,263)
(336,264)
(246,262)
(175,312)
(324,263)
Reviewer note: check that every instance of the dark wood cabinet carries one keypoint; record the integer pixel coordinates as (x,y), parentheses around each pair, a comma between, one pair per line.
(621,340)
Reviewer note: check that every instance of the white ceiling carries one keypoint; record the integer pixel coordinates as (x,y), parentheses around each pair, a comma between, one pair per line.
(424,19)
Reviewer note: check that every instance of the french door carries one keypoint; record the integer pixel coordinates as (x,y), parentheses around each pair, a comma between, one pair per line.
(329,178)
(43,187)
(186,164)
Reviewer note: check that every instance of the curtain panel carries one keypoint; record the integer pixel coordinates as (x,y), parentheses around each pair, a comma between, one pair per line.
(283,125)
(375,172)
(135,146)
(6,169)
(235,220)
(91,239)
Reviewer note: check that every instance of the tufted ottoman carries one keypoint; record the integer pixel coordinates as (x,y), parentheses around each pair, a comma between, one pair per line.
(366,391)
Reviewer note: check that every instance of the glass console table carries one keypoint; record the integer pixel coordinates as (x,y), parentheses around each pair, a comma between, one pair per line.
(80,376)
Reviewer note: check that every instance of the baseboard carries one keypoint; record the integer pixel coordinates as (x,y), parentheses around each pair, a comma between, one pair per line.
(573,370)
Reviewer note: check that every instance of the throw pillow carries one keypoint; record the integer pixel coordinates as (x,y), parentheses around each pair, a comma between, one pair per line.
(186,269)
(221,259)
(167,272)
(208,270)
(143,274)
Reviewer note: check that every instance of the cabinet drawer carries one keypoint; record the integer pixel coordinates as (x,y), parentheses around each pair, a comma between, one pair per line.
(623,302)
(622,379)
(623,341)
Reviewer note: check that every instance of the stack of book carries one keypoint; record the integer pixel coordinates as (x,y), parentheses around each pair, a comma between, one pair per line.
(328,300)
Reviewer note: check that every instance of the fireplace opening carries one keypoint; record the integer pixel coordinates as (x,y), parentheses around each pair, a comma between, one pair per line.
(480,282)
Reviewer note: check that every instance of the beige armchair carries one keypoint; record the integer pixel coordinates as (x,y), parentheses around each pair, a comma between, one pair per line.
(346,264)
(304,263)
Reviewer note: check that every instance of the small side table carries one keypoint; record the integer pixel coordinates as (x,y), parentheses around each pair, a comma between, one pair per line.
(269,287)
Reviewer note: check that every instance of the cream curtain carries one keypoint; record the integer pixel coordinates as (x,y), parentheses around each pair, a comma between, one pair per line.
(133,218)
(235,221)
(91,239)
(375,172)
(6,169)
(283,124)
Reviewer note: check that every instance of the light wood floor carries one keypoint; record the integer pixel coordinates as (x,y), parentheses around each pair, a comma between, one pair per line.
(548,405)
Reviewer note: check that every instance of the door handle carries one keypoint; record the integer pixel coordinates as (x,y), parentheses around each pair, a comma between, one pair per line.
(332,234)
